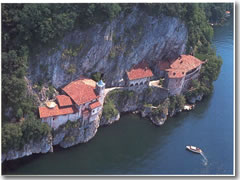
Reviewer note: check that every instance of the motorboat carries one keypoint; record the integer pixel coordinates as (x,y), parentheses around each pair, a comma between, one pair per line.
(194,149)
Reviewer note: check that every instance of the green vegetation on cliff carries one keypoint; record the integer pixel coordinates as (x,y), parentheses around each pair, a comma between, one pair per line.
(16,135)
(116,99)
(161,108)
(109,109)
(209,73)
(177,102)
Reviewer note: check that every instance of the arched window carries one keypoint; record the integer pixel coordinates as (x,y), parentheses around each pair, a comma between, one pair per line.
(131,84)
(141,83)
(136,84)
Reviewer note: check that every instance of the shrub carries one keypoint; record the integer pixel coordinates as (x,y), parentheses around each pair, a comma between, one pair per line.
(34,129)
(161,80)
(11,136)
(109,109)
(181,101)
(71,69)
(177,102)
(50,91)
(96,76)
(15,135)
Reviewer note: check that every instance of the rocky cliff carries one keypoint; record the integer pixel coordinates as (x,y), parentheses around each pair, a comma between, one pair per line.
(43,145)
(111,48)
(73,133)
(129,100)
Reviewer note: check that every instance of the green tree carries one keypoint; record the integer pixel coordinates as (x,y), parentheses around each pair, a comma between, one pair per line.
(11,136)
(109,109)
(34,129)
(96,76)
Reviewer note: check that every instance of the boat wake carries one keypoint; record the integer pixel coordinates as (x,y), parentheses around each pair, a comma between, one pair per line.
(205,160)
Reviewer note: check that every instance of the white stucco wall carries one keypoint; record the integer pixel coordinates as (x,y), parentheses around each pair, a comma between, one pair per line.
(73,117)
(95,111)
(57,121)
(93,117)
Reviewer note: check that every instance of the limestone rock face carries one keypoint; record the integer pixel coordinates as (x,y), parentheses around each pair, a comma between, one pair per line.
(111,48)
(105,121)
(159,120)
(133,99)
(70,136)
(42,146)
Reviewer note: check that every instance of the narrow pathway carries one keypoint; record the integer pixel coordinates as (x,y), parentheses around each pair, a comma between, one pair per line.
(107,90)
(154,83)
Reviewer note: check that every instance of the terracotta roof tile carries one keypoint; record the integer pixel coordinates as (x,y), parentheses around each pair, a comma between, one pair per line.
(56,111)
(140,71)
(80,92)
(186,62)
(95,105)
(182,65)
(64,100)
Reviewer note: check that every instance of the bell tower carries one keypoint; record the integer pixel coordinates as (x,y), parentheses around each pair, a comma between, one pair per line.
(100,87)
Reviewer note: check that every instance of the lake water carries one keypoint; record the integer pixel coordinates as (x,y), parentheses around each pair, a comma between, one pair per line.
(134,145)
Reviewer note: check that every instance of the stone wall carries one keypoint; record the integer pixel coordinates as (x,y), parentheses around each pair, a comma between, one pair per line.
(175,85)
(189,78)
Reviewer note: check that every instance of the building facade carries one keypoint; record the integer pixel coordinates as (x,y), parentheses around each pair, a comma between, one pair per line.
(139,75)
(180,73)
(81,100)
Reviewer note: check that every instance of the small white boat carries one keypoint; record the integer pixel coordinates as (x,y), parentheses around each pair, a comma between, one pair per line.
(194,149)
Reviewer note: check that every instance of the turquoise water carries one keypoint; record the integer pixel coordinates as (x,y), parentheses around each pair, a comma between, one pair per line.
(134,145)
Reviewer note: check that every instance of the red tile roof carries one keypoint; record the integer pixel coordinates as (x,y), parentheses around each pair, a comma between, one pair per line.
(56,111)
(186,62)
(80,92)
(140,71)
(64,100)
(176,73)
(95,105)
(182,65)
